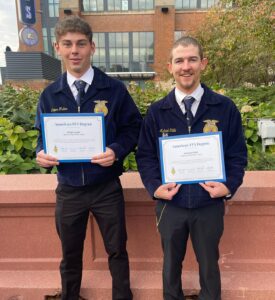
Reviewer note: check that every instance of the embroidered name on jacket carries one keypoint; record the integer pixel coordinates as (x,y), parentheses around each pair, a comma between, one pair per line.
(60,108)
(165,132)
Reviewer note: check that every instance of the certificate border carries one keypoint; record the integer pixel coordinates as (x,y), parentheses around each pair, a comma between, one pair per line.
(218,133)
(43,115)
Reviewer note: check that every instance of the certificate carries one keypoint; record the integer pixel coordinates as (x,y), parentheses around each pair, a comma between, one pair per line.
(192,158)
(73,137)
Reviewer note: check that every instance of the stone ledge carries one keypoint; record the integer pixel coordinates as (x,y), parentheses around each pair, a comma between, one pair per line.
(30,249)
(258,186)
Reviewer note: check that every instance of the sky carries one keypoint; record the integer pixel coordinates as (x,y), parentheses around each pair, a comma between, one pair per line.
(8,28)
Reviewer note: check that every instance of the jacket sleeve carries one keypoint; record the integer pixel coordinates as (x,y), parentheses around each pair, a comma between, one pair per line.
(235,152)
(148,155)
(37,125)
(128,122)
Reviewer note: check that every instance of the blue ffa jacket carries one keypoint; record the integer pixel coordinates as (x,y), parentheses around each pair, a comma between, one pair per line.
(122,124)
(215,113)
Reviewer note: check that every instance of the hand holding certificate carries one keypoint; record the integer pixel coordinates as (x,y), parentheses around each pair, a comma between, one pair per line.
(73,137)
(192,158)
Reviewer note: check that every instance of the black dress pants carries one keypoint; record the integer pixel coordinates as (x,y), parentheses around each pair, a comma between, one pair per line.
(205,227)
(73,206)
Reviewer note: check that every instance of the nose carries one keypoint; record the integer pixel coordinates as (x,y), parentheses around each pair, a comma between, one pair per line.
(185,65)
(74,48)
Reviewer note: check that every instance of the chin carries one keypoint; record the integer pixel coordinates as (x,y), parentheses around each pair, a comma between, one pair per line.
(77,70)
(187,86)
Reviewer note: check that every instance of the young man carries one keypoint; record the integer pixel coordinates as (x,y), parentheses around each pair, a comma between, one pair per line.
(94,186)
(194,210)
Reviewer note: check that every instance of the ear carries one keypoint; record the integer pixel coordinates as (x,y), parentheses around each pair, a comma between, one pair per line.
(204,63)
(93,47)
(56,47)
(169,67)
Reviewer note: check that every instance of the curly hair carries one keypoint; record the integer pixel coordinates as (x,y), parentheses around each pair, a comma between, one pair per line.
(73,24)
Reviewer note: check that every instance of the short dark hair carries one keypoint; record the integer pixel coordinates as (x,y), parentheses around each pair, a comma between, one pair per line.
(73,24)
(186,41)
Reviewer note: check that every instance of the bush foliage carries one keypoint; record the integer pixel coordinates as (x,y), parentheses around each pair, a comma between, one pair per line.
(238,40)
(18,137)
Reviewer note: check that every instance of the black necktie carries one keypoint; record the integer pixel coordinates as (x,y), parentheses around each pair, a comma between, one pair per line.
(80,86)
(188,101)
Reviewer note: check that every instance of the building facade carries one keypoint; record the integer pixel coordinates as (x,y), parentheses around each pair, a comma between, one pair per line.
(132,37)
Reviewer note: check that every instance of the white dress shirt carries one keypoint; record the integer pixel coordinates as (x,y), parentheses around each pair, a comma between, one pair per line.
(197,95)
(88,77)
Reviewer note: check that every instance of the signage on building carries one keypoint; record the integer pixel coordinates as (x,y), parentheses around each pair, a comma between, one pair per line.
(28,36)
(26,9)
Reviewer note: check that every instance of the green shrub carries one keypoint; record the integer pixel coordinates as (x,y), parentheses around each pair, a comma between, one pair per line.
(259,160)
(18,138)
(254,104)
(19,105)
(17,148)
(144,97)
(130,163)
(258,95)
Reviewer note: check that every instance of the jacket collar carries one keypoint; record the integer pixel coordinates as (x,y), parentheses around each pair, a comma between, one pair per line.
(100,81)
(208,98)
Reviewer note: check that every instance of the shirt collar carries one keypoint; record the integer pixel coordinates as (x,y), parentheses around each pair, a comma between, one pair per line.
(196,94)
(88,77)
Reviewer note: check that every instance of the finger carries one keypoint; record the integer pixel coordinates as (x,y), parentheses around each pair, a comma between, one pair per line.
(102,160)
(47,158)
(212,183)
(46,164)
(102,156)
(207,188)
(169,186)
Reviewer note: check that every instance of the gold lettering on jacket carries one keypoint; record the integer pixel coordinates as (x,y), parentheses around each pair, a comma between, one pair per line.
(60,108)
(165,131)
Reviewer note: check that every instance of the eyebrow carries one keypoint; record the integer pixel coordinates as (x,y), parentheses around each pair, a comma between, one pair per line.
(188,57)
(70,41)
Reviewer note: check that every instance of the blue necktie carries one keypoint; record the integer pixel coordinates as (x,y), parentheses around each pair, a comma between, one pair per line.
(188,102)
(80,86)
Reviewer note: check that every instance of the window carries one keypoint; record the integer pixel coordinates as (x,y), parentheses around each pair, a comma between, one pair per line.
(124,51)
(48,41)
(99,58)
(194,4)
(45,40)
(143,49)
(117,5)
(143,4)
(53,8)
(93,5)
(119,51)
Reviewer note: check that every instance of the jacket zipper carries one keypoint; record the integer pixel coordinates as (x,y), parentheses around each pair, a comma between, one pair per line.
(189,186)
(82,170)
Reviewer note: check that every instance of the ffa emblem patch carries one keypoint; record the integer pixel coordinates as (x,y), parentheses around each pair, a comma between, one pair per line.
(101,107)
(210,126)
(173,171)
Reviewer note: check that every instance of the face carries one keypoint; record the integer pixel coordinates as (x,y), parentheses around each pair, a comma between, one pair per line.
(186,67)
(75,50)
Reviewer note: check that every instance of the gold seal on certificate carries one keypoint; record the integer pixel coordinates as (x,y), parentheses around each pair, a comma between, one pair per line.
(73,137)
(192,158)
